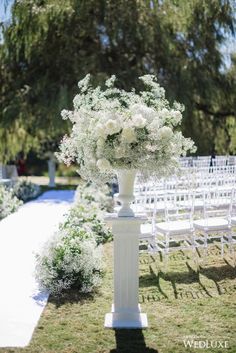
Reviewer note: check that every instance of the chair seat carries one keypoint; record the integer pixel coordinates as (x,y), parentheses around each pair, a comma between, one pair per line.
(213,223)
(146,228)
(233,220)
(174,227)
(146,232)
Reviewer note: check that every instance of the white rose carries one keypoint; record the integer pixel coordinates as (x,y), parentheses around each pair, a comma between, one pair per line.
(128,135)
(138,121)
(103,165)
(112,127)
(100,131)
(165,133)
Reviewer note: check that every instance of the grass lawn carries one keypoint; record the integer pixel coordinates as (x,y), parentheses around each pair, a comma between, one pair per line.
(61,182)
(180,302)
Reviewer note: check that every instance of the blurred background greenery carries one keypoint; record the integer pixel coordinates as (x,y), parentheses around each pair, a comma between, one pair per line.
(47,46)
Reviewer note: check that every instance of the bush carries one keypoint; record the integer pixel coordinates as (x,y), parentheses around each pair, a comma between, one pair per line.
(9,203)
(70,261)
(90,219)
(73,258)
(25,190)
(90,195)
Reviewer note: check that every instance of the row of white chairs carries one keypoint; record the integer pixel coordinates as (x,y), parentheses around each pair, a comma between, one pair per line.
(183,229)
(206,161)
(189,210)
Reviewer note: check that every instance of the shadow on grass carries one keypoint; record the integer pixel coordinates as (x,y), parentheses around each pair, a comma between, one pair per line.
(153,279)
(131,341)
(213,273)
(219,273)
(72,297)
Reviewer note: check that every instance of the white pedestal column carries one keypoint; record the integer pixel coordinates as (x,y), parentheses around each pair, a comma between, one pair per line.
(126,312)
(51,172)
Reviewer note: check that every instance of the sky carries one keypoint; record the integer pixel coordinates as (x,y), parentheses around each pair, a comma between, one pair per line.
(5,15)
(227,48)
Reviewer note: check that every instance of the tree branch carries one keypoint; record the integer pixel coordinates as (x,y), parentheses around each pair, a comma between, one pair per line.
(218,114)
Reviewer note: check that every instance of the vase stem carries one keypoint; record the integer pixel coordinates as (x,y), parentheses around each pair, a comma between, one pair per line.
(126,187)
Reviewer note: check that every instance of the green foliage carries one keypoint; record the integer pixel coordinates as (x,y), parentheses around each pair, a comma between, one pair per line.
(48,46)
(25,190)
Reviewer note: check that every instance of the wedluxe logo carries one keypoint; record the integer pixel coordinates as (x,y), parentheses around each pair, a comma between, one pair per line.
(205,344)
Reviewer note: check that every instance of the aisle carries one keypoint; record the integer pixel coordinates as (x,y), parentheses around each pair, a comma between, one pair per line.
(22,234)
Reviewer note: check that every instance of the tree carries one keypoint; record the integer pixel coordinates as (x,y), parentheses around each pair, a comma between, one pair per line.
(49,46)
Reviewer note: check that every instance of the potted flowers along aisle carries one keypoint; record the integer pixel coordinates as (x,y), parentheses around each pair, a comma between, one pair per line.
(119,132)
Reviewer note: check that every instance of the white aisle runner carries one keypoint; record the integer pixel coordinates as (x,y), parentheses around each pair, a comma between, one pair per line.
(22,234)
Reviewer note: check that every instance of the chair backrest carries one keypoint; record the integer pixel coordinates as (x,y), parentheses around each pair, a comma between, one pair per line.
(201,163)
(220,161)
(179,206)
(217,203)
(232,160)
(233,203)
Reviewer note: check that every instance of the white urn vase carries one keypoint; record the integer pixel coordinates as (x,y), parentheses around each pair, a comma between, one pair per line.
(126,179)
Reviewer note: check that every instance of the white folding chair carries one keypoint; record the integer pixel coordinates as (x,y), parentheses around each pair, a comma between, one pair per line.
(230,238)
(215,223)
(176,232)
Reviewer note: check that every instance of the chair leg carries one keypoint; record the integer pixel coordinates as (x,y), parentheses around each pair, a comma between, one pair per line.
(166,260)
(222,248)
(205,251)
(234,258)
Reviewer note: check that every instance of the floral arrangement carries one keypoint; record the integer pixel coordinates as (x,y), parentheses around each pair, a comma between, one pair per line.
(9,203)
(115,129)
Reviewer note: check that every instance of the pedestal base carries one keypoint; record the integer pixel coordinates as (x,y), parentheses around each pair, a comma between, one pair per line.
(126,320)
